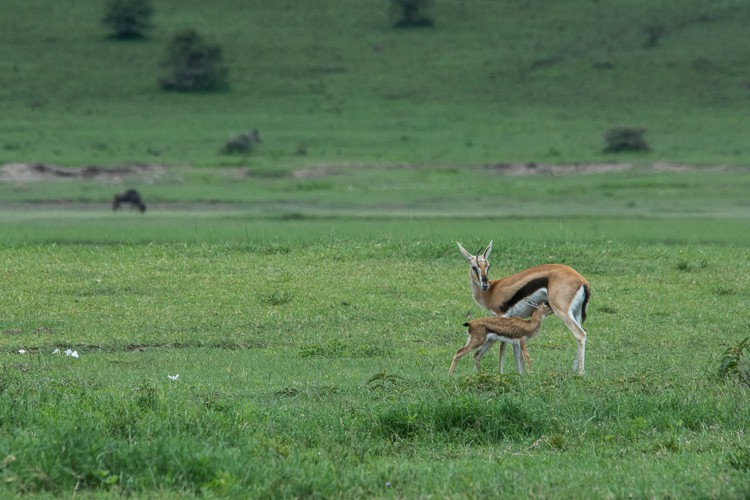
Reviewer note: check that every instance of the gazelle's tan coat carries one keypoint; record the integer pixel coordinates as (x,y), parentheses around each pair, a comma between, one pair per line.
(516,296)
(507,330)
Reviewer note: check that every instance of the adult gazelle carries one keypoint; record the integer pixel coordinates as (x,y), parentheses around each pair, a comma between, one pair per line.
(517,295)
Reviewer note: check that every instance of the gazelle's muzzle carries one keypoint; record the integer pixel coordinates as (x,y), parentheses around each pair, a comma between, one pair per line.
(485,284)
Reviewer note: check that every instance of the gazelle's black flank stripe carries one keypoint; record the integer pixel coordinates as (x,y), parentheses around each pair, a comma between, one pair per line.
(523,292)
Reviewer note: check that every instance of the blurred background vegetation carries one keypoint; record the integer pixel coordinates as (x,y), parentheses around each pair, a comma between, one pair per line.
(336,81)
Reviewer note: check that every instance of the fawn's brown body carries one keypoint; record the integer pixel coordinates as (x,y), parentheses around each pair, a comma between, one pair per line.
(507,330)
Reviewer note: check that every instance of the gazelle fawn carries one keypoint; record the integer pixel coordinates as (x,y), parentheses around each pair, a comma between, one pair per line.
(516,331)
(561,286)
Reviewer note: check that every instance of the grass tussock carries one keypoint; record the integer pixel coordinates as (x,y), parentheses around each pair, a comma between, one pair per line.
(739,458)
(486,382)
(335,348)
(735,363)
(117,441)
(470,418)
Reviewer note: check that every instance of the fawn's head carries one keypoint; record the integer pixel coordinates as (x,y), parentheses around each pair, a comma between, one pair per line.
(545,309)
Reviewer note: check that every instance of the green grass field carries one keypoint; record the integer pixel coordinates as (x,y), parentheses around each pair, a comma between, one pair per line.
(312,348)
(280,325)
(321,370)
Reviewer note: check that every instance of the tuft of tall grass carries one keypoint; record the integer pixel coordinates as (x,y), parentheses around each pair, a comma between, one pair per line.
(75,435)
(735,362)
(740,458)
(468,418)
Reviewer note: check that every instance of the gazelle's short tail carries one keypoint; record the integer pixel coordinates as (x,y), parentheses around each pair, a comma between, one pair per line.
(586,295)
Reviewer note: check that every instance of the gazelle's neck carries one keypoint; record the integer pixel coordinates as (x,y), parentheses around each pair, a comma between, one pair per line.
(480,296)
(537,315)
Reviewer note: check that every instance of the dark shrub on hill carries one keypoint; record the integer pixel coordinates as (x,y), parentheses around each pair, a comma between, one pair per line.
(243,143)
(411,13)
(193,65)
(128,19)
(654,33)
(625,139)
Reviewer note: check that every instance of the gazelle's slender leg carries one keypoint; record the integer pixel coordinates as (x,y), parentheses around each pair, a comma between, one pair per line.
(478,355)
(517,356)
(470,346)
(482,342)
(570,313)
(518,351)
(502,353)
(580,334)
(526,355)
(458,356)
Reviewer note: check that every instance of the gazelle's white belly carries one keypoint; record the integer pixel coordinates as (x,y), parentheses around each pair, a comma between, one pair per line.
(494,337)
(525,307)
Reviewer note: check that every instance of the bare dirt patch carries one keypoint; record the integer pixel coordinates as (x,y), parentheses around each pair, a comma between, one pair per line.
(150,173)
(676,167)
(515,169)
(34,172)
(509,169)
(316,171)
(522,169)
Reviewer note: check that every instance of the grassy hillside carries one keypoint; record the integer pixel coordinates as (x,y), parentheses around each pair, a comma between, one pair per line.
(332,81)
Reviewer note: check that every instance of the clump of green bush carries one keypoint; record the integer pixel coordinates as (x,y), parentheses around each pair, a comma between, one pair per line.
(625,139)
(740,459)
(735,363)
(193,65)
(411,13)
(128,19)
(654,33)
(489,421)
(243,143)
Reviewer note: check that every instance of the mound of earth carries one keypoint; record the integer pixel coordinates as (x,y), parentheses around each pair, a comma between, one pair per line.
(30,172)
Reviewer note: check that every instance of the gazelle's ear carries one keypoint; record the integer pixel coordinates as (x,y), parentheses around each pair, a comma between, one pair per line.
(486,253)
(464,252)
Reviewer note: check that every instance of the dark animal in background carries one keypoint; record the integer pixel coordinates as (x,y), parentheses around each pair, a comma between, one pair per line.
(130,196)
